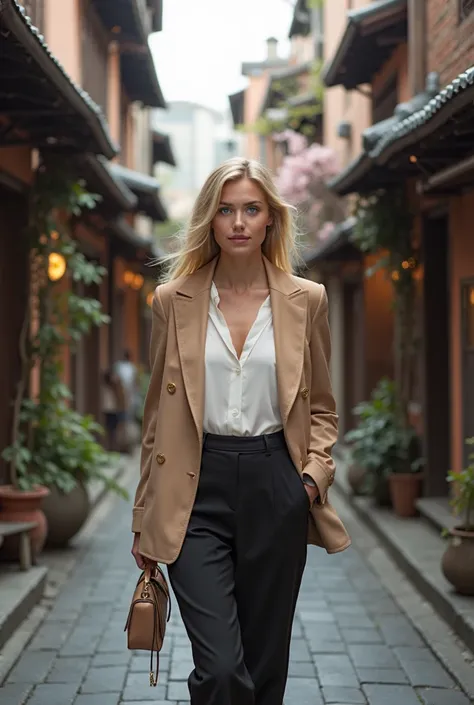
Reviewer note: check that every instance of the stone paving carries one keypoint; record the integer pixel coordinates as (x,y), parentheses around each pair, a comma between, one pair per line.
(351,643)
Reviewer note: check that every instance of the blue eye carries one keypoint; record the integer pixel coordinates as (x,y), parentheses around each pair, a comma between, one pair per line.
(223,210)
(252,210)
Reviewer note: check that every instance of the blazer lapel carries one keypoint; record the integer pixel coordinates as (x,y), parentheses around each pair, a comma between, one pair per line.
(191,308)
(289,310)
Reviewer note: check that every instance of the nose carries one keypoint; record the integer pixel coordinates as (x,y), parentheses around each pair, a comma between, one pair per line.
(238,222)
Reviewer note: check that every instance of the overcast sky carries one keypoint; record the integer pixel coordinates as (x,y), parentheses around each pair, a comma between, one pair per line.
(199,53)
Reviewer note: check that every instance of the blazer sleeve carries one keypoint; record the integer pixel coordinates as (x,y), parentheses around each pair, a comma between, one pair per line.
(324,420)
(159,334)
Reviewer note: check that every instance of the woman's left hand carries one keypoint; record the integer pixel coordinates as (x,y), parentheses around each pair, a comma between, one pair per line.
(313,493)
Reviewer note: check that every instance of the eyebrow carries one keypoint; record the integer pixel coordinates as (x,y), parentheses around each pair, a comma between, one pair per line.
(250,203)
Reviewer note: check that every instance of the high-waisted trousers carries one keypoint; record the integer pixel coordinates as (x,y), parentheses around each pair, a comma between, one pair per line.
(238,575)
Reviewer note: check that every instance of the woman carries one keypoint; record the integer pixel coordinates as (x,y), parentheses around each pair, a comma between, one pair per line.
(239,424)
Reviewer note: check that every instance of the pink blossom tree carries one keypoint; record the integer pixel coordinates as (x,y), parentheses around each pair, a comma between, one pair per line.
(302,178)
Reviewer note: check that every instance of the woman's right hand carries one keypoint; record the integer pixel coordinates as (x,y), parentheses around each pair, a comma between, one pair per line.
(140,560)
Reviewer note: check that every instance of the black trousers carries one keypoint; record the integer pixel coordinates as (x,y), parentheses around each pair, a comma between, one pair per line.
(237,577)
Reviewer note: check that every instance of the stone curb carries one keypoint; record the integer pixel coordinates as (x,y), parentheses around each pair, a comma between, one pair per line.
(442,602)
(21,593)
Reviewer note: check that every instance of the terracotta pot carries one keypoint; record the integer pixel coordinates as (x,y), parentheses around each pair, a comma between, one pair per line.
(457,562)
(356,476)
(405,489)
(65,514)
(16,505)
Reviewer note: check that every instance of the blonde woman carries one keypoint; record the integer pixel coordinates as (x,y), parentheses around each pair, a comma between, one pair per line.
(239,425)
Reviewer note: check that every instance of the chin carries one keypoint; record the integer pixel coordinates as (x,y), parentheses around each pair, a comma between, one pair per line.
(241,248)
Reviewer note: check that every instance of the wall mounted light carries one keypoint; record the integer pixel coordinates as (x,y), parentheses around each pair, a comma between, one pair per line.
(128,277)
(56,266)
(137,282)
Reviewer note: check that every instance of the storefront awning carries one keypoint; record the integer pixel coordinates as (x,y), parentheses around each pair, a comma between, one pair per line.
(146,188)
(139,76)
(236,101)
(372,33)
(336,246)
(132,244)
(366,174)
(131,22)
(441,133)
(301,22)
(115,194)
(275,94)
(130,19)
(162,150)
(40,104)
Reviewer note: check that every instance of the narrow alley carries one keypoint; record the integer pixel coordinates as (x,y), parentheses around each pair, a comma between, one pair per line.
(352,643)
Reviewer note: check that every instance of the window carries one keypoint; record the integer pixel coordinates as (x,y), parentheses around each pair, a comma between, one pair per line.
(466,7)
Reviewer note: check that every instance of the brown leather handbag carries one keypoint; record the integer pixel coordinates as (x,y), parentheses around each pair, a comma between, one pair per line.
(149,612)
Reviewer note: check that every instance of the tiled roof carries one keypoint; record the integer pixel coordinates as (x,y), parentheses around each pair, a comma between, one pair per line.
(423,116)
(91,106)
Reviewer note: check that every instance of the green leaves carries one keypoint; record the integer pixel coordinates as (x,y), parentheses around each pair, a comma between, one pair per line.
(65,448)
(463,497)
(52,444)
(381,442)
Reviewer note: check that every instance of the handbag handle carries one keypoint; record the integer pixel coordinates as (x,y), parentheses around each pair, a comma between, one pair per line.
(147,574)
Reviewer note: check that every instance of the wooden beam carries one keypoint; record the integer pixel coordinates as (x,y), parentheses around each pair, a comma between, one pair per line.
(417,45)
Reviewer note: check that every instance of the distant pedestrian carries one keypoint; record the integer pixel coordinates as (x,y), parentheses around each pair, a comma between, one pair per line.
(127,373)
(238,430)
(111,407)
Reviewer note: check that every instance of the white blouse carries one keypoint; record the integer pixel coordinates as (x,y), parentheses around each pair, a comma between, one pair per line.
(241,395)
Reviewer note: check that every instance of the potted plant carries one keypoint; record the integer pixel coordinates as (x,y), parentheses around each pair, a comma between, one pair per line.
(387,449)
(66,457)
(53,449)
(405,479)
(370,443)
(384,228)
(458,560)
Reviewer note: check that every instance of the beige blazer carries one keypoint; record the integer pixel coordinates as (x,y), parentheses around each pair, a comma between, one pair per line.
(174,406)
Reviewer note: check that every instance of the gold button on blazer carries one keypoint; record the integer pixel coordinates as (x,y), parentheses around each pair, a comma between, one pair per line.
(173,415)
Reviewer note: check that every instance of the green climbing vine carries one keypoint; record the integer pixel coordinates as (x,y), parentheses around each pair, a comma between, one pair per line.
(51,443)
(384,227)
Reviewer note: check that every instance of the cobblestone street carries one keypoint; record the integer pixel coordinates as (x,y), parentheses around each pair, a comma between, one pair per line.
(351,645)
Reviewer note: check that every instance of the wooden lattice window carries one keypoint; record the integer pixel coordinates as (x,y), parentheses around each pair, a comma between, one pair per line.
(466,7)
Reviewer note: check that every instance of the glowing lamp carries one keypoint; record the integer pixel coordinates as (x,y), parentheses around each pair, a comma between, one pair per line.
(128,277)
(56,266)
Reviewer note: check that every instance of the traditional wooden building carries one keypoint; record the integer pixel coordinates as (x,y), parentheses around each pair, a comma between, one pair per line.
(422,136)
(78,80)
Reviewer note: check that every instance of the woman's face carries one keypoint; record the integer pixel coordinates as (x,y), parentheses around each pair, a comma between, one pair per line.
(242,217)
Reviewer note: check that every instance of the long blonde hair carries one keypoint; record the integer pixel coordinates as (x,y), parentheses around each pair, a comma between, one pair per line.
(198,245)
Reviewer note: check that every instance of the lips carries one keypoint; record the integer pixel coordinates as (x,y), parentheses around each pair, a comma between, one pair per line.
(239,238)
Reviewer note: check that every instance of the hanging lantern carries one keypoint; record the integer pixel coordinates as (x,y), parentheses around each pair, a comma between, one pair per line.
(56,266)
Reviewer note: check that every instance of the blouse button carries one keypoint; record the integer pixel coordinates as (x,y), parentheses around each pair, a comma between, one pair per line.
(160,459)
(171,388)
(305,393)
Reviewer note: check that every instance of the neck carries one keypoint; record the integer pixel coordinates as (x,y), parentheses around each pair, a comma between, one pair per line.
(240,274)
